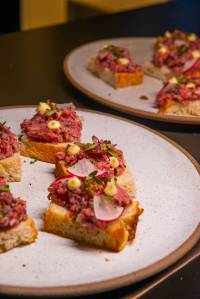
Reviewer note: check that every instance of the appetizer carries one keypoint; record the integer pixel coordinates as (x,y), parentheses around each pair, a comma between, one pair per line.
(115,66)
(180,96)
(100,156)
(10,162)
(49,131)
(93,209)
(16,228)
(175,53)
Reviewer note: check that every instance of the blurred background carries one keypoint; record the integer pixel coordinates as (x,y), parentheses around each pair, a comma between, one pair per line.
(21,15)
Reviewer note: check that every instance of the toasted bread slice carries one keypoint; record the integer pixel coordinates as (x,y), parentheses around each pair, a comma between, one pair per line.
(117,80)
(173,107)
(113,237)
(41,150)
(163,73)
(10,168)
(24,233)
(125,180)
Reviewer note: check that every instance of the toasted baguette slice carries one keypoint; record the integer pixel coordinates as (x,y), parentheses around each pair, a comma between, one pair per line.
(10,168)
(117,80)
(125,180)
(163,73)
(114,237)
(173,107)
(24,233)
(41,150)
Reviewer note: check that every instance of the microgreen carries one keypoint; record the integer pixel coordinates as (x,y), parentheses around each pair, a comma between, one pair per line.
(4,188)
(113,153)
(33,161)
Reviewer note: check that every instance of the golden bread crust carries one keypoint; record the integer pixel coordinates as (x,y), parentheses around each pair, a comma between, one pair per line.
(173,107)
(117,80)
(42,151)
(162,73)
(113,237)
(10,168)
(24,233)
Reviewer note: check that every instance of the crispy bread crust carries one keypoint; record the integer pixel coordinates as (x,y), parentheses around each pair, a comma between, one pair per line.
(126,180)
(41,150)
(24,233)
(163,73)
(113,237)
(117,80)
(10,168)
(173,107)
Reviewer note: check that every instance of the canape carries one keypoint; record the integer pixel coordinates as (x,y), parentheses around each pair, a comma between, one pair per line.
(115,66)
(49,131)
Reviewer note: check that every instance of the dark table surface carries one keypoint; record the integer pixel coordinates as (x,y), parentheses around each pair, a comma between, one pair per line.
(31,70)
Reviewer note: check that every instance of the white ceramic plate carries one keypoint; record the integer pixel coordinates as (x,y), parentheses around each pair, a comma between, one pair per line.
(124,99)
(168,185)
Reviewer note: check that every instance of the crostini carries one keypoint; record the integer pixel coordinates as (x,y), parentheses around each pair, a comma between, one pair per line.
(49,131)
(115,66)
(94,210)
(16,228)
(175,53)
(181,96)
(100,156)
(10,162)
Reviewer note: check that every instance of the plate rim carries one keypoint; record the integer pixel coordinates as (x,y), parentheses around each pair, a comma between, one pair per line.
(190,120)
(124,280)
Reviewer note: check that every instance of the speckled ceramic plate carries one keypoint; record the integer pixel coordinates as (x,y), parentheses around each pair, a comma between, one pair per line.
(124,99)
(168,187)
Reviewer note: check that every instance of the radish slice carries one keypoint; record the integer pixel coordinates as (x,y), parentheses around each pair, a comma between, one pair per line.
(58,180)
(190,64)
(166,88)
(83,168)
(105,210)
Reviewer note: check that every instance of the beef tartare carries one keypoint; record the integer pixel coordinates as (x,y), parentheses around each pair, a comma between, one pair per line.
(115,66)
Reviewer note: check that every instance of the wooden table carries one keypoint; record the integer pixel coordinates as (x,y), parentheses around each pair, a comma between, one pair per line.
(31,70)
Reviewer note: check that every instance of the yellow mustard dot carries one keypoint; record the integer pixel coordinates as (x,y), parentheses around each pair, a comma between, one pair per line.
(54,124)
(192,37)
(110,189)
(114,162)
(73,149)
(123,61)
(173,80)
(43,107)
(196,54)
(162,50)
(73,183)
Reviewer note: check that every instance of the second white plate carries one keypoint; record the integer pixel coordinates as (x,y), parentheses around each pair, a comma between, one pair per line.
(125,99)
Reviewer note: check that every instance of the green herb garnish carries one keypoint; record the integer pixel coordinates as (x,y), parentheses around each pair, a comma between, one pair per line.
(183,49)
(116,51)
(89,146)
(2,124)
(4,188)
(113,153)
(50,112)
(104,147)
(20,137)
(182,80)
(106,197)
(33,161)
(93,173)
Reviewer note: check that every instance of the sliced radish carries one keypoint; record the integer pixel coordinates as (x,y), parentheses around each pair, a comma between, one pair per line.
(166,88)
(105,210)
(83,168)
(190,64)
(58,180)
